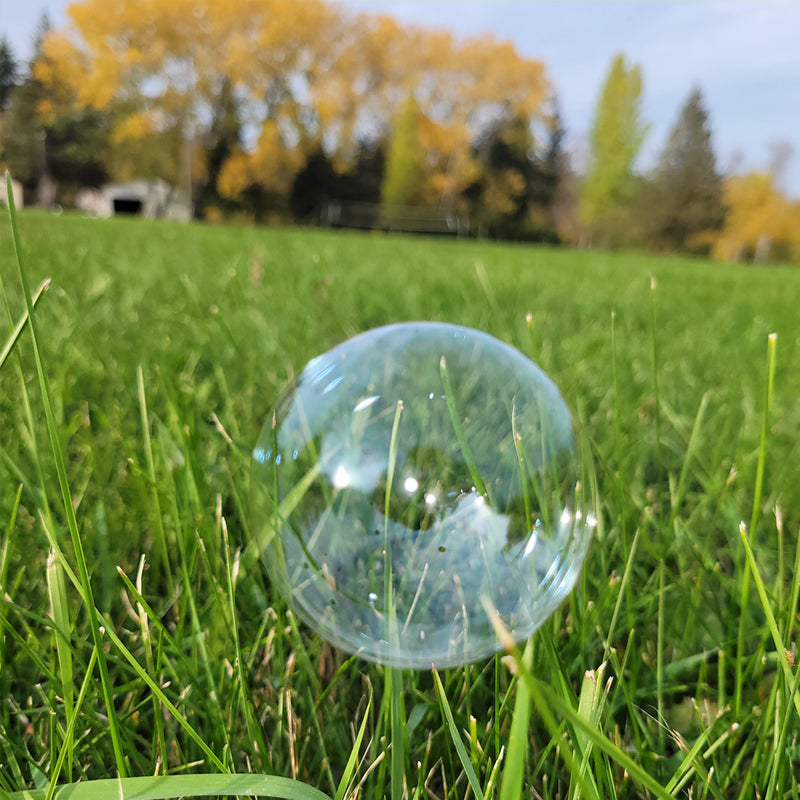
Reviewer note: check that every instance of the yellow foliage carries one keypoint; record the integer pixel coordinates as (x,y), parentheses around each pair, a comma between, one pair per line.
(136,126)
(503,191)
(235,175)
(271,165)
(303,72)
(758,217)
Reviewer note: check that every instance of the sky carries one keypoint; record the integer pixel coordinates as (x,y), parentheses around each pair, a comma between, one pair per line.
(742,54)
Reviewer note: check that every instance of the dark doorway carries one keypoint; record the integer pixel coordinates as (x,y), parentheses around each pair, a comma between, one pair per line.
(127,205)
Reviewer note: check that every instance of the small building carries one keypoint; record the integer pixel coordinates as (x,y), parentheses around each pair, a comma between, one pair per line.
(153,199)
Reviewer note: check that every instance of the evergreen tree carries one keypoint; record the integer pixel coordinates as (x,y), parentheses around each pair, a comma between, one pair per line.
(52,154)
(23,136)
(616,138)
(9,74)
(685,197)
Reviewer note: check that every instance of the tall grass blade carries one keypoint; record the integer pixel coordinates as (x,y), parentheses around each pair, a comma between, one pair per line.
(141,673)
(349,769)
(536,354)
(477,481)
(455,736)
(63,482)
(59,606)
(514,770)
(547,701)
(161,538)
(794,595)
(745,589)
(144,627)
(656,358)
(8,541)
(66,752)
(625,582)
(777,639)
(591,702)
(691,447)
(167,787)
(20,326)
(394,677)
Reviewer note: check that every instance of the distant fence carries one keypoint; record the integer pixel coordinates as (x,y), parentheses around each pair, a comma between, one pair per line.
(406,219)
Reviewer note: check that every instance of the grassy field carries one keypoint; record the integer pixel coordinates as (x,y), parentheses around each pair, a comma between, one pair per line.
(669,672)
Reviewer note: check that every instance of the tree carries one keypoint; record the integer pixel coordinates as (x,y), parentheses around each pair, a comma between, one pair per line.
(685,198)
(52,147)
(9,72)
(176,76)
(760,222)
(315,184)
(616,138)
(402,182)
(294,79)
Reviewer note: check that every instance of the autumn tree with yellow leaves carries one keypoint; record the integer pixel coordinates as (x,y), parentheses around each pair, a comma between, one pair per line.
(264,84)
(760,225)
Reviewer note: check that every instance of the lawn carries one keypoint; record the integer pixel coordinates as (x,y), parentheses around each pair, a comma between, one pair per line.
(670,670)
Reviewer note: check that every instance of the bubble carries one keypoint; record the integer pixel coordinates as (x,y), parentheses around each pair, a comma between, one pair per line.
(413,477)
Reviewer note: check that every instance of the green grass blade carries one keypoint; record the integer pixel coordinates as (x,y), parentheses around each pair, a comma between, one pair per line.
(777,639)
(161,538)
(151,683)
(660,659)
(8,542)
(656,358)
(536,355)
(486,288)
(20,326)
(397,727)
(349,769)
(794,595)
(455,736)
(591,702)
(63,481)
(745,589)
(546,701)
(691,447)
(626,576)
(477,481)
(59,605)
(514,770)
(70,734)
(166,787)
(144,627)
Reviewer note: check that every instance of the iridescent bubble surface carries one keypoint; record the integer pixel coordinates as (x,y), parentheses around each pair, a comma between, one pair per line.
(413,477)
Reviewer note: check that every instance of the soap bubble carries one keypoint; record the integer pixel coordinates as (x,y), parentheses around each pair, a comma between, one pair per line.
(414,476)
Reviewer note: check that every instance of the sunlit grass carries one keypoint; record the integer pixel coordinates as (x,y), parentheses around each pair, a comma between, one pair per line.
(660,675)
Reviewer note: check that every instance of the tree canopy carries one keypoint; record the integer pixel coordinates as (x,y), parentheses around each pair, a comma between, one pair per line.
(298,78)
(616,137)
(685,205)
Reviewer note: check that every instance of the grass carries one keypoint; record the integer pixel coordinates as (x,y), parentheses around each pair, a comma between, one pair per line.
(140,639)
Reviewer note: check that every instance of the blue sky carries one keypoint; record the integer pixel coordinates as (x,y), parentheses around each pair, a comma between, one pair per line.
(743,54)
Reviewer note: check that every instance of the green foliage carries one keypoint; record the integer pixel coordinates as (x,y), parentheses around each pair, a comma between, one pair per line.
(9,74)
(402,183)
(22,134)
(68,150)
(208,669)
(683,201)
(514,195)
(616,137)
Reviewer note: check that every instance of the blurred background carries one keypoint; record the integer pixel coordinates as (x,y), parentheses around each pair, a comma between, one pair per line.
(671,126)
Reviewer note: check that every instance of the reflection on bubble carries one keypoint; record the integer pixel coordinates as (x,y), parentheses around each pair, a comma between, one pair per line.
(415,475)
